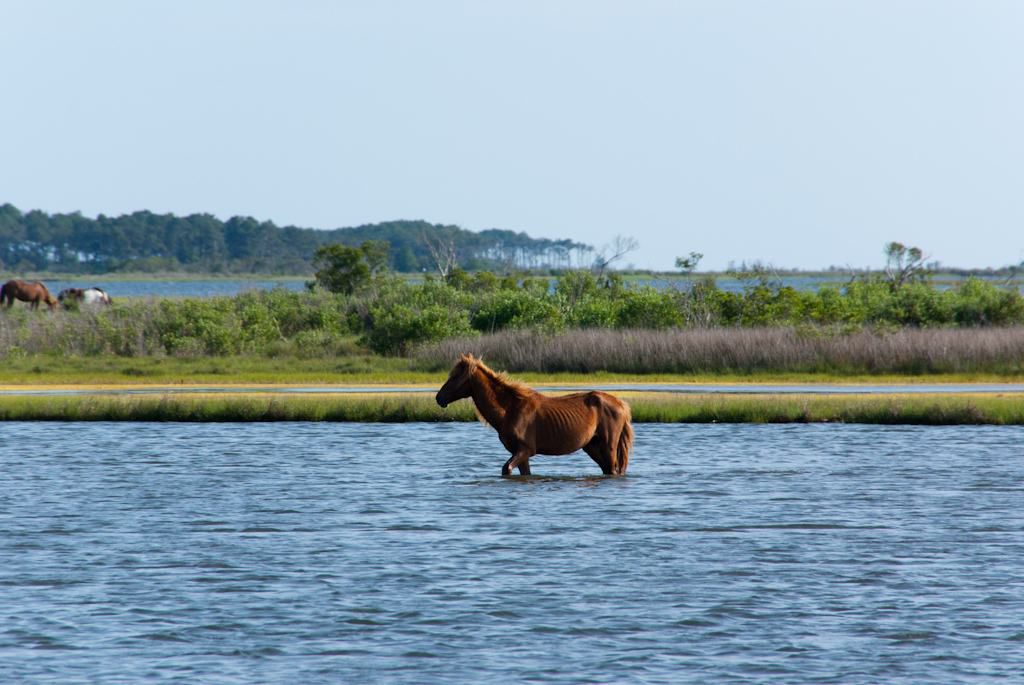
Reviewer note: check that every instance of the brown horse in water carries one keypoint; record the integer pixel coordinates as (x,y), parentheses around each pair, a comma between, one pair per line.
(530,423)
(32,292)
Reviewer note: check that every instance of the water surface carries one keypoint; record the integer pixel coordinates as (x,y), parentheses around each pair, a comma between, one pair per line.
(209,287)
(311,552)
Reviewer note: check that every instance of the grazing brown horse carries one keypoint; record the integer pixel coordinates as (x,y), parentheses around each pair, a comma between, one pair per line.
(32,292)
(530,423)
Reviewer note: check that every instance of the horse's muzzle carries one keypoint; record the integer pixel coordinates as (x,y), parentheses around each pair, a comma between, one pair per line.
(440,401)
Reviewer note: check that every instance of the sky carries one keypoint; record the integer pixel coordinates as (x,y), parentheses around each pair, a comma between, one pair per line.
(798,134)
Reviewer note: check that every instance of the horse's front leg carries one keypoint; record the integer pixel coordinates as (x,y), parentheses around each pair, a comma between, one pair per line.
(520,460)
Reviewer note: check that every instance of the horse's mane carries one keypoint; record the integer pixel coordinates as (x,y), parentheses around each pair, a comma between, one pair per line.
(515,388)
(498,386)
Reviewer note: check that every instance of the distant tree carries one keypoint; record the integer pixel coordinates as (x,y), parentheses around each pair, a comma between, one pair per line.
(755,275)
(405,260)
(144,241)
(1012,272)
(904,264)
(345,269)
(607,255)
(689,264)
(443,252)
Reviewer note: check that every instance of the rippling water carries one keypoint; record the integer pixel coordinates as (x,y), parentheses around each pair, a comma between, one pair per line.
(222,553)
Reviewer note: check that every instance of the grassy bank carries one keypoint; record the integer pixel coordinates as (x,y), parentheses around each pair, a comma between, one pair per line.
(43,370)
(647,408)
(933,410)
(48,369)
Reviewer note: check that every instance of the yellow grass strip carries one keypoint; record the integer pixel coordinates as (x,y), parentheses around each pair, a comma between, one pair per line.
(1002,409)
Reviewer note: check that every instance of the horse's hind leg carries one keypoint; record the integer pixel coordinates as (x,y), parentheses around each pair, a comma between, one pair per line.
(600,453)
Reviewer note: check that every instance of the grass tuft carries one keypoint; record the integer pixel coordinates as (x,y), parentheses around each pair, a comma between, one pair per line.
(399,408)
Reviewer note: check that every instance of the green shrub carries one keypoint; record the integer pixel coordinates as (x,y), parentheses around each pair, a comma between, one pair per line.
(594,312)
(515,309)
(396,329)
(257,328)
(830,306)
(399,316)
(978,303)
(212,322)
(918,304)
(647,308)
(870,301)
(576,286)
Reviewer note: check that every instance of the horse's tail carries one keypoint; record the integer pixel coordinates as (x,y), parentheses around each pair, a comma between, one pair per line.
(4,294)
(625,442)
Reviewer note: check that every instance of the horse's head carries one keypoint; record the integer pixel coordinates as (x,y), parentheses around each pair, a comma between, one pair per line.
(457,385)
(69,297)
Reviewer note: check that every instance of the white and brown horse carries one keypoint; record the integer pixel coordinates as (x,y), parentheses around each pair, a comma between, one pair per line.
(83,296)
(530,423)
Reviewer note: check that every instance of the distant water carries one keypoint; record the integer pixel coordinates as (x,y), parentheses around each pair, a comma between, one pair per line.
(227,287)
(340,553)
(171,288)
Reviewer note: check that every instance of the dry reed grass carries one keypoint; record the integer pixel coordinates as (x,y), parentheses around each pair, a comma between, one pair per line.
(124,330)
(744,350)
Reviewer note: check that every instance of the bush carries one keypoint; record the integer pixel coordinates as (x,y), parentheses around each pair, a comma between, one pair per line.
(982,304)
(918,304)
(346,269)
(647,308)
(593,313)
(515,309)
(400,315)
(396,329)
(294,312)
(194,327)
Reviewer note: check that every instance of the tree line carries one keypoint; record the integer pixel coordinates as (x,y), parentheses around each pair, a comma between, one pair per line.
(144,241)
